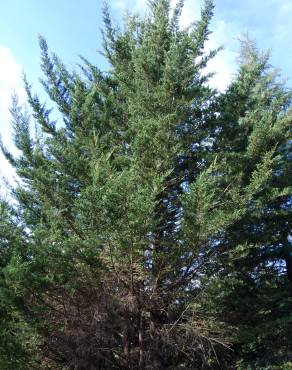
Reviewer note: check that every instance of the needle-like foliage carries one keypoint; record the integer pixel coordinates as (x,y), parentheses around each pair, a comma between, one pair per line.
(153,218)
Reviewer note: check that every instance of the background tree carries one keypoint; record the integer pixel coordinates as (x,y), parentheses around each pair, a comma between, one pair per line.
(256,250)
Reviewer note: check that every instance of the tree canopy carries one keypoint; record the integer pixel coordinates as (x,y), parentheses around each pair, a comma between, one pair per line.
(151,225)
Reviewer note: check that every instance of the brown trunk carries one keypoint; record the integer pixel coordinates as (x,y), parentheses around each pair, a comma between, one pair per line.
(154,360)
(141,341)
(126,341)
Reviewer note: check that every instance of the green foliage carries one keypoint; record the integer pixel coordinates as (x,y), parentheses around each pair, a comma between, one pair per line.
(18,342)
(151,224)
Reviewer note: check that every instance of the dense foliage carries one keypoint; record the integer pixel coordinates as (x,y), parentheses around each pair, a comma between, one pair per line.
(151,226)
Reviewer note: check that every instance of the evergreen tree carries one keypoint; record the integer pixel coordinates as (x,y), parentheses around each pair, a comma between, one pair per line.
(154,218)
(256,250)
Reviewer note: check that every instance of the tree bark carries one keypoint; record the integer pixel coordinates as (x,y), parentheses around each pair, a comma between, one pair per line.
(141,341)
(154,360)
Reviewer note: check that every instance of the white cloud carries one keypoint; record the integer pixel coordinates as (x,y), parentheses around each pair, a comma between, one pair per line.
(190,12)
(224,64)
(134,6)
(119,5)
(10,82)
(141,5)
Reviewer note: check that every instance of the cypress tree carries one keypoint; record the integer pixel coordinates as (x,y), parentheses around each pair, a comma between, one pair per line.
(256,250)
(143,214)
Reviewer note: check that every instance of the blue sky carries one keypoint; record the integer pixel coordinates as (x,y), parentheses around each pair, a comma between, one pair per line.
(73,28)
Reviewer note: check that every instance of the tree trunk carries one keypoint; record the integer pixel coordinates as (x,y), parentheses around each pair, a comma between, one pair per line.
(154,358)
(141,341)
